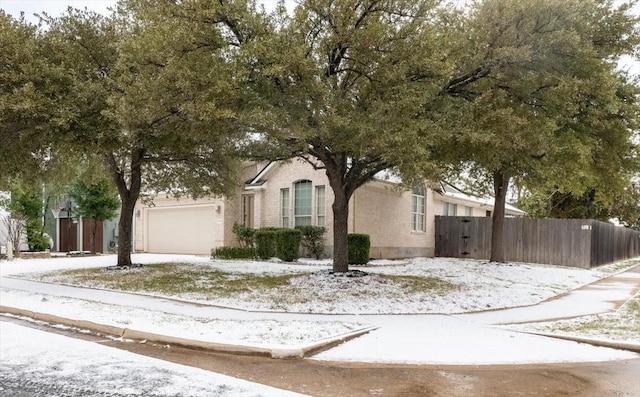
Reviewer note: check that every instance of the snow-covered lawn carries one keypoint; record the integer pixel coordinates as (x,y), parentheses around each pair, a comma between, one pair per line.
(308,305)
(434,285)
(268,333)
(55,365)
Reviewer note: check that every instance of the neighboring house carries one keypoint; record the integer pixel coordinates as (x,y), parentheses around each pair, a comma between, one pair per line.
(401,223)
(70,232)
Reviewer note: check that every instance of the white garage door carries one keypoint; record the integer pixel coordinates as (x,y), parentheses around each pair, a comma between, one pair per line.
(181,230)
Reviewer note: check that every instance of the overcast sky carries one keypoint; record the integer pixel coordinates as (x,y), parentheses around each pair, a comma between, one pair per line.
(51,7)
(57,7)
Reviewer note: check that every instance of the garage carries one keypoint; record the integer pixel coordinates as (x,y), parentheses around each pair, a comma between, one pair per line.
(181,229)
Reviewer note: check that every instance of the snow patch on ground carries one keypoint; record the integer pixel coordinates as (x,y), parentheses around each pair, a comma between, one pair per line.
(399,339)
(79,368)
(473,286)
(621,326)
(260,333)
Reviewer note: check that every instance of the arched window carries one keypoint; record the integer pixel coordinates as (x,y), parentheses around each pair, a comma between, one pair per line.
(302,203)
(418,209)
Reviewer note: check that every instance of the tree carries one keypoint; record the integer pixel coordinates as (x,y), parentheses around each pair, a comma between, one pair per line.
(97,202)
(350,87)
(29,99)
(601,203)
(147,92)
(27,206)
(543,101)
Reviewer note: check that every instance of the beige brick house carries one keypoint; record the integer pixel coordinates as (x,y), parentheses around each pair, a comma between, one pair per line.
(400,222)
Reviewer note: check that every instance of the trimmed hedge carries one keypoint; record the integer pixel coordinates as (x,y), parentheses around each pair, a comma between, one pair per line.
(266,242)
(288,244)
(312,240)
(359,246)
(234,253)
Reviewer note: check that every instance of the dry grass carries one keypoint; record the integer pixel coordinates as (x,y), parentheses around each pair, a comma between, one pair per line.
(169,279)
(624,324)
(201,282)
(415,284)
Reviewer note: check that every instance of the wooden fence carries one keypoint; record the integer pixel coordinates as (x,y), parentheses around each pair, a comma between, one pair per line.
(582,243)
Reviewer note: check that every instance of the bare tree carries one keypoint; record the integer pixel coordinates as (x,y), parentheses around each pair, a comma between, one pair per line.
(14,229)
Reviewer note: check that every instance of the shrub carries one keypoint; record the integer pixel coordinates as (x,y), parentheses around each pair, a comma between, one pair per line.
(265,240)
(244,234)
(234,252)
(359,246)
(36,239)
(288,244)
(312,240)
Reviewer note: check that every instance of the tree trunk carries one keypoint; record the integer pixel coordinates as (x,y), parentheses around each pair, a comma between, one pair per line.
(342,190)
(125,227)
(500,187)
(340,231)
(345,175)
(128,197)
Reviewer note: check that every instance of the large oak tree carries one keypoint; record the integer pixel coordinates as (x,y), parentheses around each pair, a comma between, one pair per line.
(142,89)
(349,86)
(545,104)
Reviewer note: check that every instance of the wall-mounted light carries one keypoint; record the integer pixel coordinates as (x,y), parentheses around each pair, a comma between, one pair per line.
(218,208)
(137,213)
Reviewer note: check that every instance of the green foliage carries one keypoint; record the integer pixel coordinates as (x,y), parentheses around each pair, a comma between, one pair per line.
(346,86)
(26,202)
(278,242)
(36,238)
(597,204)
(165,96)
(312,240)
(266,242)
(96,200)
(152,90)
(359,246)
(288,244)
(234,253)
(244,235)
(541,100)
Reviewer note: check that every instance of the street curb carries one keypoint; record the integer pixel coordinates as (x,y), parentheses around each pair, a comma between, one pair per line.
(633,347)
(52,319)
(126,333)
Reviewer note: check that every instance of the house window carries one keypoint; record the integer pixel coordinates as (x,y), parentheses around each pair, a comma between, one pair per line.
(450,209)
(284,207)
(468,211)
(247,210)
(320,205)
(302,202)
(417,209)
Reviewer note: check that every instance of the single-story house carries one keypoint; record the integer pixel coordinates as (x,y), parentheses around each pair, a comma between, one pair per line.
(401,222)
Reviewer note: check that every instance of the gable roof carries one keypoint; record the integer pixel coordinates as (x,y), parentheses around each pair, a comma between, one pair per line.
(260,178)
(447,190)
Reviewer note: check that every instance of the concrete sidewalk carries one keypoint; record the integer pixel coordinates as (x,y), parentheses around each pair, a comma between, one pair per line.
(465,339)
(598,297)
